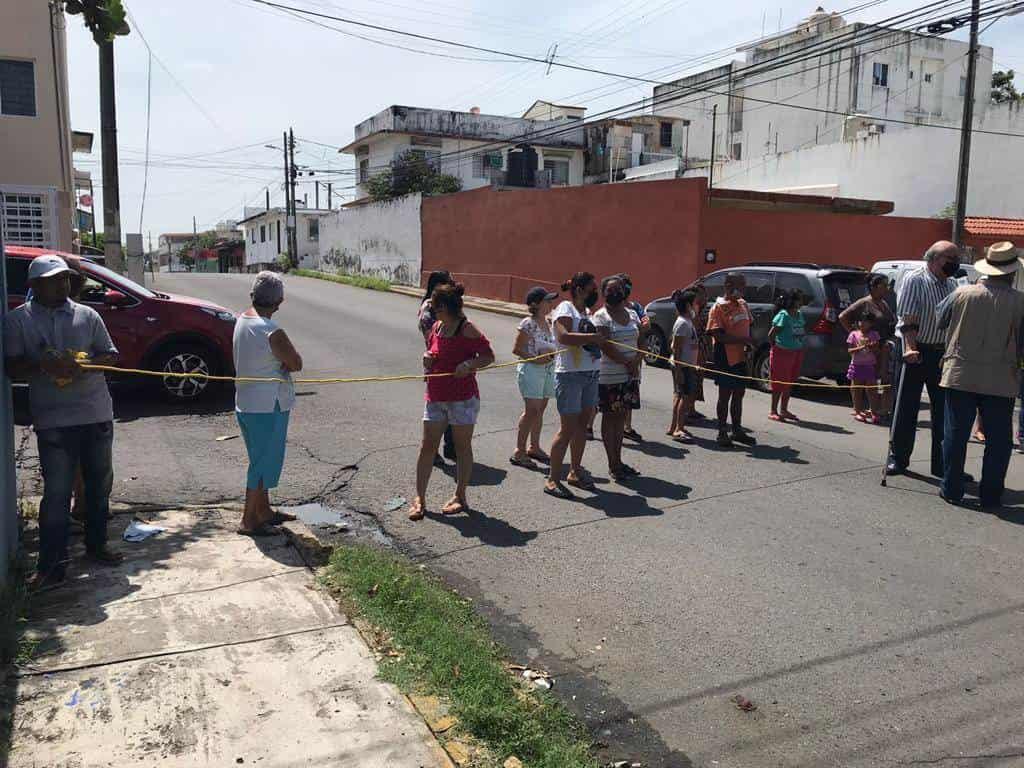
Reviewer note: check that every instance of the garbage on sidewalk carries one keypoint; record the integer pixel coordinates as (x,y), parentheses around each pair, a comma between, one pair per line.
(542,680)
(136,531)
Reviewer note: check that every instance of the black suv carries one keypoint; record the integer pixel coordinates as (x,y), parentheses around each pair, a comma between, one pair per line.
(830,290)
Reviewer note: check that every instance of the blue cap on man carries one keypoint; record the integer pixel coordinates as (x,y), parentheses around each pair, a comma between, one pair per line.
(48,265)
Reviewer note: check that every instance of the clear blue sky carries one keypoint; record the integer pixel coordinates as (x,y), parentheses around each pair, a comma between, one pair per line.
(235,74)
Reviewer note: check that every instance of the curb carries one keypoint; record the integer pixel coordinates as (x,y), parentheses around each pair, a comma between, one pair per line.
(469,301)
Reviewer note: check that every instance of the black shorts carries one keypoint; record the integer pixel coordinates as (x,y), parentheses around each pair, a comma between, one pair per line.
(613,398)
(686,381)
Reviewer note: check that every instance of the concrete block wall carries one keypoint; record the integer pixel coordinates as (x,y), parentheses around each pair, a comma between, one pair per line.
(379,239)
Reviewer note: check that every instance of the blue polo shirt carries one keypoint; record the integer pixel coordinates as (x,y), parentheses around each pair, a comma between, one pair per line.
(31,331)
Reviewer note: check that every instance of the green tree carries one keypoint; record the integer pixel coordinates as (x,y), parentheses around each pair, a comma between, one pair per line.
(1003,89)
(104,18)
(410,173)
(97,242)
(948,212)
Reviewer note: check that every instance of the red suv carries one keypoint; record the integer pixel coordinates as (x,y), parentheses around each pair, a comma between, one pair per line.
(154,331)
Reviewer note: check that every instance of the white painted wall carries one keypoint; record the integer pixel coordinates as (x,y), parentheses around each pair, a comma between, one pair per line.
(261,252)
(380,239)
(840,81)
(457,159)
(916,169)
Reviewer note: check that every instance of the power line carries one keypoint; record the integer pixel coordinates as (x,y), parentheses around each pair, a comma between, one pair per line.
(145,176)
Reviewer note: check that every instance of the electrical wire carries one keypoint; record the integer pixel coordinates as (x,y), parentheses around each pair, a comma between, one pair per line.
(145,175)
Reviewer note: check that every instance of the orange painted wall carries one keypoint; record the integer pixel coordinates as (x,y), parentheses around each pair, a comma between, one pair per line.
(499,244)
(740,236)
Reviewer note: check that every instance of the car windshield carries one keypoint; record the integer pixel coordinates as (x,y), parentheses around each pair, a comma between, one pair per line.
(112,277)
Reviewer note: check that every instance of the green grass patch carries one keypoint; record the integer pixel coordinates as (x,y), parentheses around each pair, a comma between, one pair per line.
(445,649)
(359,281)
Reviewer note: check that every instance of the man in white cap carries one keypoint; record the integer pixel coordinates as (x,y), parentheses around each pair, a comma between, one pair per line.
(71,410)
(984,326)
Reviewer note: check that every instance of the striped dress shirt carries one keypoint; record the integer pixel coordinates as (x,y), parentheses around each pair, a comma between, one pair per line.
(920,295)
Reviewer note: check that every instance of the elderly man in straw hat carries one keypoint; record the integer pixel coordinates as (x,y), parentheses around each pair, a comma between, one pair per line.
(980,370)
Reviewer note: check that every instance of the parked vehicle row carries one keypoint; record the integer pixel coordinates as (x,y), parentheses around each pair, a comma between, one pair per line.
(829,289)
(152,330)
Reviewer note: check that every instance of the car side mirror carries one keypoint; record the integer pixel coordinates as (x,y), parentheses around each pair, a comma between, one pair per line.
(116,299)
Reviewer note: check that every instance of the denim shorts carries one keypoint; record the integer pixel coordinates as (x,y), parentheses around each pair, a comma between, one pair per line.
(575,391)
(536,382)
(456,413)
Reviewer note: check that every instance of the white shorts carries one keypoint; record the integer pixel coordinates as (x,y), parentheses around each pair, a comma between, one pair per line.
(457,413)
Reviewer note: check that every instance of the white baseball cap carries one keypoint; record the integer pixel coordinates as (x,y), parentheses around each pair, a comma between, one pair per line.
(49,265)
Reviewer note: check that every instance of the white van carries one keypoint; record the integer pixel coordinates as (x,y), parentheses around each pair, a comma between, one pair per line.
(897,270)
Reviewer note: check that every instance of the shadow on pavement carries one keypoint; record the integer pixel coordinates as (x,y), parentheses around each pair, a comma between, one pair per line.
(615,504)
(491,531)
(142,403)
(482,474)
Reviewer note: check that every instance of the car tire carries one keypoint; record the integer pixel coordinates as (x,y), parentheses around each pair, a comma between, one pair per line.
(656,346)
(763,370)
(185,358)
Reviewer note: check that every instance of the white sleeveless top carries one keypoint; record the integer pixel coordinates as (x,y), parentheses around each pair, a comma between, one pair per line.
(253,358)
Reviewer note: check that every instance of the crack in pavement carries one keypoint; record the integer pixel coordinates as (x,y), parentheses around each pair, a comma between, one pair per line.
(945,758)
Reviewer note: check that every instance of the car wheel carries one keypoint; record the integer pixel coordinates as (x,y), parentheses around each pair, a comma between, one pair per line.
(763,371)
(656,348)
(185,358)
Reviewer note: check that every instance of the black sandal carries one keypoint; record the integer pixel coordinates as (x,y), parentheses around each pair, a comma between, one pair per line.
(559,492)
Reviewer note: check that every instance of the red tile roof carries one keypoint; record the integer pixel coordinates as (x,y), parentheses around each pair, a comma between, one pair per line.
(985,225)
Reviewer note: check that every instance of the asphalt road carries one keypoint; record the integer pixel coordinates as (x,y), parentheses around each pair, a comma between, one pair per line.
(870,626)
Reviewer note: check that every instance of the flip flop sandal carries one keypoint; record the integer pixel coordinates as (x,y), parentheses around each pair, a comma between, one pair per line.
(543,458)
(619,475)
(774,417)
(283,517)
(683,437)
(264,530)
(630,470)
(526,463)
(416,513)
(583,483)
(559,492)
(790,416)
(462,507)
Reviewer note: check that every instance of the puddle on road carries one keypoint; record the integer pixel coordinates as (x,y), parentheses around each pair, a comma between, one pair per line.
(331,522)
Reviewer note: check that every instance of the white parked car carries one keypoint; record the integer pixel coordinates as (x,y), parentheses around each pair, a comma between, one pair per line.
(897,270)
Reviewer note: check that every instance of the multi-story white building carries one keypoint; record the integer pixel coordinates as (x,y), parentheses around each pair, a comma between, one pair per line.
(477,149)
(36,176)
(266,236)
(769,102)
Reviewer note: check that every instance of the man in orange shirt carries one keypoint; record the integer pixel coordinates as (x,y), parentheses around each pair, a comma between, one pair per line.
(729,326)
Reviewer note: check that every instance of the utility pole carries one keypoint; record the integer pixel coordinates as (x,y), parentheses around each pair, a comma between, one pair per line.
(108,136)
(293,242)
(8,484)
(195,245)
(711,168)
(268,198)
(966,127)
(287,198)
(316,195)
(330,202)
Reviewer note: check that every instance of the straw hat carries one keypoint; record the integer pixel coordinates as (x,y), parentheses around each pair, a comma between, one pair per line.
(1000,259)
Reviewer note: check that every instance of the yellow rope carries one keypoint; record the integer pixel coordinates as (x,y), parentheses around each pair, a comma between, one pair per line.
(421,376)
(714,371)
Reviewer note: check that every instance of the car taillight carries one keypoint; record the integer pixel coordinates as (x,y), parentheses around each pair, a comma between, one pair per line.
(827,322)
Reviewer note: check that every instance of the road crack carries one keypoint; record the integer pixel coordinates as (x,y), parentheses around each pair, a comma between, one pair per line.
(947,758)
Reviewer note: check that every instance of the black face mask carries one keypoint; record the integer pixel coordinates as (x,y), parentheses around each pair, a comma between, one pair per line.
(614,298)
(591,299)
(950,268)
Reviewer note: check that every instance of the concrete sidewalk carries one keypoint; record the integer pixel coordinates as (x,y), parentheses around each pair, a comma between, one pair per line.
(205,648)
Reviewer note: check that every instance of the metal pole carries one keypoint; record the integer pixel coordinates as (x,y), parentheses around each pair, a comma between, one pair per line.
(92,210)
(108,136)
(965,129)
(268,198)
(8,482)
(330,201)
(316,195)
(293,230)
(711,168)
(287,198)
(195,246)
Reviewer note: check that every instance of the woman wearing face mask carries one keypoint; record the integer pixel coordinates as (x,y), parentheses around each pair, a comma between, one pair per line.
(576,380)
(619,385)
(729,325)
(536,377)
(645,326)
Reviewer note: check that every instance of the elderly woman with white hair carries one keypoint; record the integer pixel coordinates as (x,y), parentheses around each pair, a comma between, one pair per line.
(262,350)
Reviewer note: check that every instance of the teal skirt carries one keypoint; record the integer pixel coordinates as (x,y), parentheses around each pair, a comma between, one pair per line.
(265,435)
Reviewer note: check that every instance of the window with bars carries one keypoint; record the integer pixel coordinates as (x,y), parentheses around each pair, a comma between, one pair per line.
(314,229)
(880,75)
(17,88)
(28,218)
(665,130)
(486,163)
